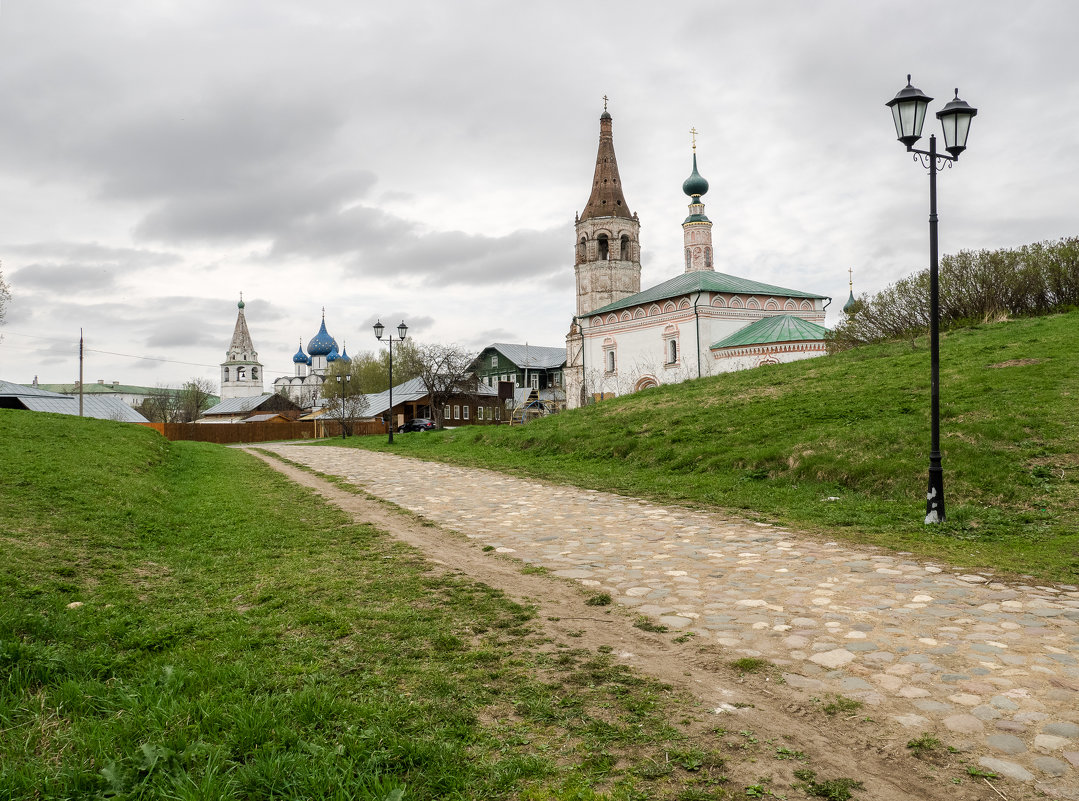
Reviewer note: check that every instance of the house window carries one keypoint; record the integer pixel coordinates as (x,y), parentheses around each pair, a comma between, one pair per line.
(498,413)
(534,380)
(446,413)
(465,412)
(556,379)
(490,380)
(479,412)
(456,412)
(494,360)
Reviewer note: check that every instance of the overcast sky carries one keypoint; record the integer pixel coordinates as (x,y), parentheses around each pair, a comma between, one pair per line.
(424,160)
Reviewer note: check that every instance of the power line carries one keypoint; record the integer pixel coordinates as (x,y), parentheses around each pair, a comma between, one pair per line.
(133,356)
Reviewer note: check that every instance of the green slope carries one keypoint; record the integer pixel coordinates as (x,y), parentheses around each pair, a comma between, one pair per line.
(778,442)
(179,621)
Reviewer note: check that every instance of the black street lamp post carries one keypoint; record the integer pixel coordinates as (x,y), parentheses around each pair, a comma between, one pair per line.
(908,110)
(402,329)
(342,379)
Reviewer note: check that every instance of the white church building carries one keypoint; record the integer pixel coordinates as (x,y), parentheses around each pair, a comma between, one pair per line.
(699,323)
(309,369)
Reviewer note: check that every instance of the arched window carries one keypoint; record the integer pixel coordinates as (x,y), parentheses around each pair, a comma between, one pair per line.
(240,374)
(672,351)
(623,251)
(689,260)
(604,247)
(708,257)
(226,374)
(610,361)
(254,373)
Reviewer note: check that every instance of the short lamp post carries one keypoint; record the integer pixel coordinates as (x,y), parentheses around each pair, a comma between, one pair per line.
(402,329)
(344,380)
(908,110)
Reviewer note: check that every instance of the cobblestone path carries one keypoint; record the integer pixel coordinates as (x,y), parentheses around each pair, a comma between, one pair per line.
(991,665)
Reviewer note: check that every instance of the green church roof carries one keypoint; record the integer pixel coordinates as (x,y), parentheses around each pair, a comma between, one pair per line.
(702,281)
(781,328)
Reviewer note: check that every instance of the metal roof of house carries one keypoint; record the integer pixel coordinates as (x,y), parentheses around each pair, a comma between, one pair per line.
(781,328)
(412,390)
(238,405)
(702,281)
(100,407)
(535,356)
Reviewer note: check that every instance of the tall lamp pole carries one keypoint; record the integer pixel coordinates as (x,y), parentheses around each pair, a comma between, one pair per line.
(908,111)
(402,329)
(343,380)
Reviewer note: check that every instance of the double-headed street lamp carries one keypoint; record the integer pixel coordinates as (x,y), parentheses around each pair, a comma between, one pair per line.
(402,329)
(908,110)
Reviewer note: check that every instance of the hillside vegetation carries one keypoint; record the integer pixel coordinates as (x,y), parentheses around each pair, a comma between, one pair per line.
(840,445)
(179,621)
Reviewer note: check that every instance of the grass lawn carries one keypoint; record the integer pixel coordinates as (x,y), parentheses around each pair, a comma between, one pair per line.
(179,621)
(839,445)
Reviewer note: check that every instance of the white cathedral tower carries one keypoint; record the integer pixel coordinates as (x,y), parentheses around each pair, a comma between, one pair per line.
(241,372)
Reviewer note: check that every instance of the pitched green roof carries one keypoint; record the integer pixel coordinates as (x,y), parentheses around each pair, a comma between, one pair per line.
(781,328)
(703,281)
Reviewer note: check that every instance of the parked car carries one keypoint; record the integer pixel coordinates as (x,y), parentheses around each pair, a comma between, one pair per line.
(417,424)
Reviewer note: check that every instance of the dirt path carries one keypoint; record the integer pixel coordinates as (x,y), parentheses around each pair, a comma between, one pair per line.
(872,751)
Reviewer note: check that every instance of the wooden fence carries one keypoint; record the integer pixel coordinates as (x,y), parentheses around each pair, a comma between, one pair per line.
(229,433)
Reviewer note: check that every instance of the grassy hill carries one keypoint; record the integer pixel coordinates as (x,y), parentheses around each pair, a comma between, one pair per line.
(179,621)
(840,445)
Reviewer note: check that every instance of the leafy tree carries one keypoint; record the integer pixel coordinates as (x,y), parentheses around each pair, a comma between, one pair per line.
(344,394)
(446,370)
(975,287)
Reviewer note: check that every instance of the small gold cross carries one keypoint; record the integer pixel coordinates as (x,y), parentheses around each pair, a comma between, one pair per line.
(605,102)
(850,272)
(693,131)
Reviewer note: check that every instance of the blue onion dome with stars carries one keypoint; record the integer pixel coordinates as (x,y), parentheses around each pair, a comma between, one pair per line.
(300,357)
(322,343)
(344,355)
(695,185)
(333,355)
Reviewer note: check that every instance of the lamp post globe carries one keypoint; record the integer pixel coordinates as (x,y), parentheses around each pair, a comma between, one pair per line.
(379,328)
(402,329)
(908,112)
(955,120)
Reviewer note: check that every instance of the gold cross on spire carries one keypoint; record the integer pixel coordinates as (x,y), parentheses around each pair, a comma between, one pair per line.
(850,273)
(693,131)
(605,102)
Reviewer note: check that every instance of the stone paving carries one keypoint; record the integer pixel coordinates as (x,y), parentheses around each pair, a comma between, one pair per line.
(992,665)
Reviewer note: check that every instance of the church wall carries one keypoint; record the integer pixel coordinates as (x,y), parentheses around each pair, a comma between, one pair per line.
(729,360)
(640,338)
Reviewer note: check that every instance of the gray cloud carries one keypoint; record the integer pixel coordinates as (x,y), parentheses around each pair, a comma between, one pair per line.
(65,278)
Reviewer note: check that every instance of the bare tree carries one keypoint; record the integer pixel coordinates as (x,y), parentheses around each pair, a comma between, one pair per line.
(194,398)
(446,371)
(345,399)
(5,296)
(160,406)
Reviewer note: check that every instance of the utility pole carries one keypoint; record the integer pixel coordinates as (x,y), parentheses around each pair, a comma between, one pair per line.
(80,372)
